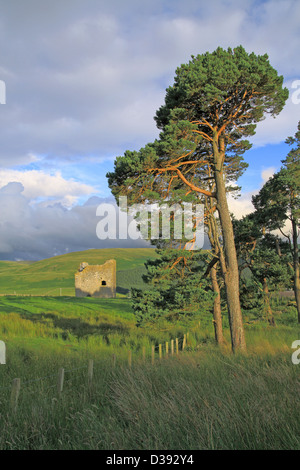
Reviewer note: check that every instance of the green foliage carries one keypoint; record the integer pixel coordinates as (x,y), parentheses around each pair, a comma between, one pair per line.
(291,174)
(250,294)
(265,257)
(266,263)
(272,202)
(229,88)
(278,206)
(179,289)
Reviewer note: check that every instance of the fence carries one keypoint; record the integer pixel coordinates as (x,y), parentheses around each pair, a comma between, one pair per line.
(57,292)
(15,387)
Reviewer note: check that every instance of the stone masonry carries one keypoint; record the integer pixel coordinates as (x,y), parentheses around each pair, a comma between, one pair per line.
(96,280)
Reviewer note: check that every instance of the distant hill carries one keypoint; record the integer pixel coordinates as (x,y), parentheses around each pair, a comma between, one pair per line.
(55,276)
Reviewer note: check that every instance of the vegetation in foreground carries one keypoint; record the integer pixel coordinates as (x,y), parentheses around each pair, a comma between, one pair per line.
(199,400)
(204,398)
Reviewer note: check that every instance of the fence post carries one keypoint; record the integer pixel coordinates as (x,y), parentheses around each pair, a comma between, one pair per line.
(14,397)
(167,348)
(160,351)
(177,346)
(2,353)
(114,359)
(184,342)
(60,380)
(90,371)
(152,354)
(172,347)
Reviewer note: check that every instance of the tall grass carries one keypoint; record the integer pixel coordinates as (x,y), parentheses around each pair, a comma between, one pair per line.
(204,398)
(200,400)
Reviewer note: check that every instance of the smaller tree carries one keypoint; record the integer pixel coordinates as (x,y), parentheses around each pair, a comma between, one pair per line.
(177,290)
(271,273)
(278,205)
(264,258)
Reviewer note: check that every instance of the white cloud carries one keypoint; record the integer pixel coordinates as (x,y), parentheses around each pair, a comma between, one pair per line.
(267,174)
(243,205)
(38,184)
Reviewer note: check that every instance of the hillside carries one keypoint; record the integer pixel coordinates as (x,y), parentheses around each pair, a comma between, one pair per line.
(55,276)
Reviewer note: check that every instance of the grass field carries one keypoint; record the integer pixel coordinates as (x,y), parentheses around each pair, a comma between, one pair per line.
(200,399)
(55,276)
(204,398)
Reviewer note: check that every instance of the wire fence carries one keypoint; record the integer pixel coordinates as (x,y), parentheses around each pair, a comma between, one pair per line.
(60,291)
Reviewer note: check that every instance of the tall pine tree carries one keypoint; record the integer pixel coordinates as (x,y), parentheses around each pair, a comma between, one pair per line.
(214,104)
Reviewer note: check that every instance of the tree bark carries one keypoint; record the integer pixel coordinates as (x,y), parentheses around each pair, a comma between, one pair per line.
(214,241)
(231,275)
(268,310)
(296,267)
(278,247)
(217,313)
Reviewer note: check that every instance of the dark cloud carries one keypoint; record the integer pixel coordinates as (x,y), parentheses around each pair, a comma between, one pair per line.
(86,77)
(35,232)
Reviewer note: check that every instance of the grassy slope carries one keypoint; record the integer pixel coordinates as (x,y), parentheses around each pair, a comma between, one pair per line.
(50,275)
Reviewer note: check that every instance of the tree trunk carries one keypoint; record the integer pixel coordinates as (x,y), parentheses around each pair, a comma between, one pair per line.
(278,247)
(296,267)
(231,275)
(267,305)
(217,314)
(216,249)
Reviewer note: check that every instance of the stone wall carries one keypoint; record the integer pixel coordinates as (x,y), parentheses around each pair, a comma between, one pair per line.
(96,280)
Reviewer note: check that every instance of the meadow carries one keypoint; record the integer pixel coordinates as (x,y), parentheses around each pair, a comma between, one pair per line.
(55,276)
(201,398)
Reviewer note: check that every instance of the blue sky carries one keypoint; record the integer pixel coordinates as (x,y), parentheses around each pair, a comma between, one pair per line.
(84,79)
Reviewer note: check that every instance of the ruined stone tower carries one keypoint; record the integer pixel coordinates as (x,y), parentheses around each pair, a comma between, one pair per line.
(97,280)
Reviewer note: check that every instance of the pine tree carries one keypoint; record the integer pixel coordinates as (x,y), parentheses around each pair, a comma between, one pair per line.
(278,206)
(267,260)
(214,104)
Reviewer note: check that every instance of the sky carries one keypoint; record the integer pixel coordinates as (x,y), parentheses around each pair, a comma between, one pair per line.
(84,79)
